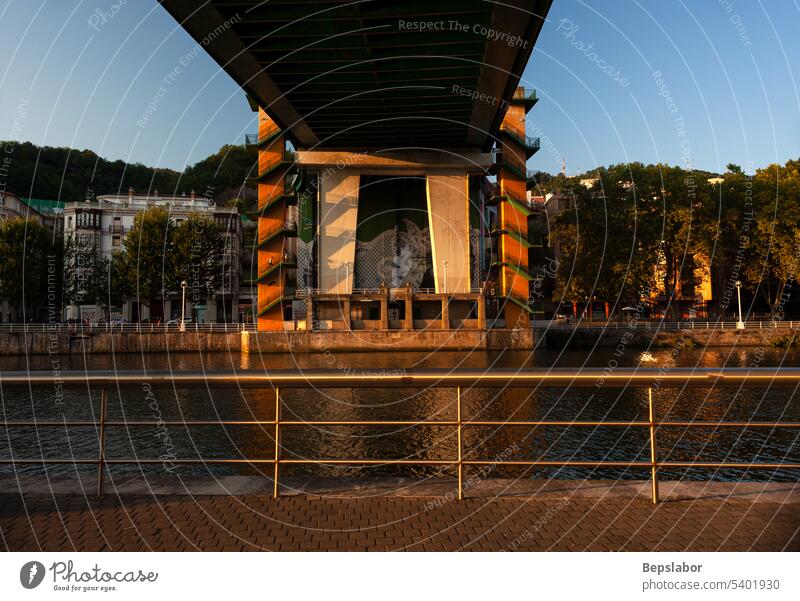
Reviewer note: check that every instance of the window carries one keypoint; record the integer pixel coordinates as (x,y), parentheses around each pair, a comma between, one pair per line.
(116,241)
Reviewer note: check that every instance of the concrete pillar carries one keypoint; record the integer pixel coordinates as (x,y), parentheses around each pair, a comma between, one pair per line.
(445,312)
(338,218)
(310,313)
(448,220)
(346,313)
(481,312)
(384,312)
(409,321)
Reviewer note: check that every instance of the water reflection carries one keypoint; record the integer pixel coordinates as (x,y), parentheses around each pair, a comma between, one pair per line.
(422,441)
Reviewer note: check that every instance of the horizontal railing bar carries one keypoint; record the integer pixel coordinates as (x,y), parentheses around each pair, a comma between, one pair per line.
(563,423)
(333,461)
(733,465)
(495,378)
(52,424)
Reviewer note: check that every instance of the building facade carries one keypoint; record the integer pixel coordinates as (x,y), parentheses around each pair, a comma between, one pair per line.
(98,230)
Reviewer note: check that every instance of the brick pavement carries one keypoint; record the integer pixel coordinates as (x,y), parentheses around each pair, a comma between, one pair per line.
(304,523)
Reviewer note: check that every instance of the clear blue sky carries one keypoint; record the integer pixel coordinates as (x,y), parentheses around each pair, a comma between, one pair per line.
(731,68)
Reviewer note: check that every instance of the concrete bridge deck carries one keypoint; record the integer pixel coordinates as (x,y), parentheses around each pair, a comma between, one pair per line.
(394,515)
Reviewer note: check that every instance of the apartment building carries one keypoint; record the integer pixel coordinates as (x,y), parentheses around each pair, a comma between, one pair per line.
(100,228)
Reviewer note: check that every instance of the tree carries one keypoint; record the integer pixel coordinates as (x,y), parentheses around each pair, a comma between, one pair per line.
(604,253)
(147,264)
(774,259)
(71,174)
(85,272)
(30,272)
(198,248)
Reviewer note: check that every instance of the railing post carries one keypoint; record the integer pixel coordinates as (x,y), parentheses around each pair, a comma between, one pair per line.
(275,487)
(653,447)
(101,458)
(460,448)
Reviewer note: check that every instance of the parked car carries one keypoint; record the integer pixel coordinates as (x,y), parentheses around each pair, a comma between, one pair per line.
(177,322)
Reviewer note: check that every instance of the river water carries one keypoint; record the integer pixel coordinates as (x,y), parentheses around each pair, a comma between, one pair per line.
(419,442)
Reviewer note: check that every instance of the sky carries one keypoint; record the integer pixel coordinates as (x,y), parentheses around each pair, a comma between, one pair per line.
(698,83)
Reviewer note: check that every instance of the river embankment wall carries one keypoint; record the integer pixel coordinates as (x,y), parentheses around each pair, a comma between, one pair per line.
(65,343)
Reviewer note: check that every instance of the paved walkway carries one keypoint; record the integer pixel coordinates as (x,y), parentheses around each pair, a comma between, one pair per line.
(562,518)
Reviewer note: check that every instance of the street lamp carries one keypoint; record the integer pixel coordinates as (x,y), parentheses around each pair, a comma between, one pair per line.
(184,285)
(444,278)
(740,323)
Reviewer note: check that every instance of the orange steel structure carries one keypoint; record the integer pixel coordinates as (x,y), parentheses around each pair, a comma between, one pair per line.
(511,229)
(275,228)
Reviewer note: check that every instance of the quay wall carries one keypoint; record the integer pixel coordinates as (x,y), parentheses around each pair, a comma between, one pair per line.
(65,343)
(638,338)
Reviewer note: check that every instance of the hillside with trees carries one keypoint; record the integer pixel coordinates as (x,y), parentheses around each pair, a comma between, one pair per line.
(71,175)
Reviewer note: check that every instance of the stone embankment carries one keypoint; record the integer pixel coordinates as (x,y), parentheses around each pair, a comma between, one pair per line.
(64,343)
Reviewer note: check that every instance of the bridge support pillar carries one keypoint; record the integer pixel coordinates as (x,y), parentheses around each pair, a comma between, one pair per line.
(481,312)
(445,312)
(448,220)
(385,312)
(346,313)
(310,313)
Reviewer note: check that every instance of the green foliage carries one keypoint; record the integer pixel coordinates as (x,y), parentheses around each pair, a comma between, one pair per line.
(641,228)
(84,272)
(73,175)
(775,246)
(788,340)
(146,263)
(158,255)
(30,272)
(198,244)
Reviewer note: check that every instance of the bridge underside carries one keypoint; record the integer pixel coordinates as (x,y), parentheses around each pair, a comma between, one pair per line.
(416,90)
(376,73)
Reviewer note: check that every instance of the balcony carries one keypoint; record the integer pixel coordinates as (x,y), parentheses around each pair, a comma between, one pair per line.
(255,140)
(289,262)
(286,228)
(511,231)
(525,97)
(285,162)
(289,197)
(529,145)
(521,205)
(267,303)
(514,171)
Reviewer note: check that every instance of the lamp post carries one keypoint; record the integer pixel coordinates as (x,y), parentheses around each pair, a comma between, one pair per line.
(740,323)
(184,285)
(444,278)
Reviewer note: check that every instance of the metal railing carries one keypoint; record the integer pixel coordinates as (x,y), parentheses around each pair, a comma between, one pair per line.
(306,292)
(645,324)
(114,327)
(523,139)
(285,227)
(455,379)
(525,93)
